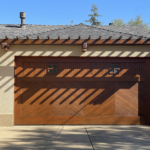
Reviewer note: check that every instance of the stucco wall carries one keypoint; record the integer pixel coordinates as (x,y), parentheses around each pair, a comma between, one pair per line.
(7,66)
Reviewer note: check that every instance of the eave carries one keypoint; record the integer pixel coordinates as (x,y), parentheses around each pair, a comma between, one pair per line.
(79,41)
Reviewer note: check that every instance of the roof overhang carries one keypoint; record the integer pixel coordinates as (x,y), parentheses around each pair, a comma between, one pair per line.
(79,41)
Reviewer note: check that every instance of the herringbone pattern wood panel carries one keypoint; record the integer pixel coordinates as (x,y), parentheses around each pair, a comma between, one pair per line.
(68,104)
(126,99)
(68,98)
(81,92)
(102,101)
(143,108)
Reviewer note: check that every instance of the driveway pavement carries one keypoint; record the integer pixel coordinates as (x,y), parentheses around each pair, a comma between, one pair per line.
(75,138)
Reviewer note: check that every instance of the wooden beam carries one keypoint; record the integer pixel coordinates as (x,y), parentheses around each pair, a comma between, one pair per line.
(46,40)
(107,40)
(147,41)
(120,38)
(127,40)
(109,37)
(6,37)
(25,41)
(78,41)
(147,91)
(4,40)
(140,37)
(117,40)
(15,41)
(138,40)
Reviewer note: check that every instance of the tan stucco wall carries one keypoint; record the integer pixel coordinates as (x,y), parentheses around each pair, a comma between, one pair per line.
(7,66)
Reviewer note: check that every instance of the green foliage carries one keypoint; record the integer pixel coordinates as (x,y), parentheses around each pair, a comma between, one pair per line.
(93,16)
(137,21)
(118,22)
(71,23)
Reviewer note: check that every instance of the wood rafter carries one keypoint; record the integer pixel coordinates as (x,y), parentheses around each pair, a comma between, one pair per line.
(78,41)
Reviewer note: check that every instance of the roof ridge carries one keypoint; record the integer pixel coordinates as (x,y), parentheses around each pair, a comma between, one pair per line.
(115,31)
(64,27)
(45,31)
(90,26)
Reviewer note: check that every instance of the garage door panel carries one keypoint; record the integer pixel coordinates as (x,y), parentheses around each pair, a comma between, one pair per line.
(36,92)
(103,92)
(127,99)
(79,120)
(143,108)
(66,102)
(81,92)
(36,110)
(105,109)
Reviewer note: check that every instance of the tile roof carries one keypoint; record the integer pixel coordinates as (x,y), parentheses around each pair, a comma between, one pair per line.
(63,31)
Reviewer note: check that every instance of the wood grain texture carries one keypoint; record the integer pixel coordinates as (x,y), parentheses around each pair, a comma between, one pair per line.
(82,92)
(79,120)
(148,90)
(126,99)
(78,41)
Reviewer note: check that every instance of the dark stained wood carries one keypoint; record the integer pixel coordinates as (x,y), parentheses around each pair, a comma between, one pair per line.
(142,106)
(82,92)
(79,120)
(77,59)
(107,78)
(18,93)
(79,41)
(126,99)
(148,90)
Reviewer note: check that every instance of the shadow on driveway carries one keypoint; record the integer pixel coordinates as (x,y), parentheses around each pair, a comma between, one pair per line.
(120,137)
(75,137)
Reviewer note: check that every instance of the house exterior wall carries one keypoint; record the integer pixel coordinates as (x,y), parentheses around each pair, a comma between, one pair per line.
(7,66)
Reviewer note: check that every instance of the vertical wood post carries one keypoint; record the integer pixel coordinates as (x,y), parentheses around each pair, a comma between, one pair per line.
(148,90)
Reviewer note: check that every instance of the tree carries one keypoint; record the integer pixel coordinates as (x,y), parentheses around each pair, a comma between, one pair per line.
(137,21)
(71,23)
(93,16)
(118,22)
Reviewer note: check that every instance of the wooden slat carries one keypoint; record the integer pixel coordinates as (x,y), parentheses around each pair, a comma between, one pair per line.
(147,90)
(142,107)
(99,99)
(79,120)
(78,41)
(82,92)
(79,59)
(18,93)
(126,99)
(67,79)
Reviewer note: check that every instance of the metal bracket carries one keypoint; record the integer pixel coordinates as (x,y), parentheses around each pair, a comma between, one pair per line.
(5,46)
(84,47)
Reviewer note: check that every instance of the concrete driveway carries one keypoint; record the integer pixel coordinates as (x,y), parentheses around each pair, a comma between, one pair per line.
(75,137)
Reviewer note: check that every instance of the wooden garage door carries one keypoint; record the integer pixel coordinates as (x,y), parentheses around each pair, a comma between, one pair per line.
(79,91)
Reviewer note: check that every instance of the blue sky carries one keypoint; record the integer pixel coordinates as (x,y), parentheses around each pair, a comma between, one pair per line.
(56,12)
